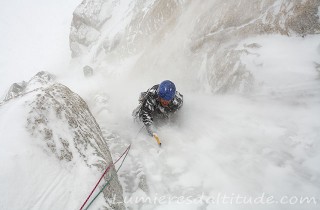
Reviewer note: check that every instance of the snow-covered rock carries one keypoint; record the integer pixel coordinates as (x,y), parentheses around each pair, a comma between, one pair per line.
(41,79)
(105,31)
(118,24)
(86,24)
(57,136)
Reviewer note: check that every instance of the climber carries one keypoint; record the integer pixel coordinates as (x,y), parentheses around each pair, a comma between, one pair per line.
(158,103)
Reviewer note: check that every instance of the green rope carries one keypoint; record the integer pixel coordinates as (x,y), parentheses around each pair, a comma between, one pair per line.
(107,183)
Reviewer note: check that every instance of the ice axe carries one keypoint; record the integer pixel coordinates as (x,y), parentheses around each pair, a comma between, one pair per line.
(156,137)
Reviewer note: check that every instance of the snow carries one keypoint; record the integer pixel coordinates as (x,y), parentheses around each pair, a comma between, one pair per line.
(266,143)
(294,57)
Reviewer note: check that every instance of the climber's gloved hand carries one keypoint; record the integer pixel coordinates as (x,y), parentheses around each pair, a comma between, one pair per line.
(151,129)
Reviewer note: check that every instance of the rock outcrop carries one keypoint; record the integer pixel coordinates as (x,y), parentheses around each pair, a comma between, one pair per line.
(40,80)
(62,124)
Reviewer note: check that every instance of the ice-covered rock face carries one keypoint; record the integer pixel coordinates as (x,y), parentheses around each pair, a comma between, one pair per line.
(197,38)
(61,123)
(58,107)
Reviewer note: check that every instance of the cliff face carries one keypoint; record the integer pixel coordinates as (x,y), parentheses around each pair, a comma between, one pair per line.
(59,122)
(125,26)
(186,37)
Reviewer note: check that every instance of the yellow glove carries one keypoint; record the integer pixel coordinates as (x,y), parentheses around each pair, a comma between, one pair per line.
(157,138)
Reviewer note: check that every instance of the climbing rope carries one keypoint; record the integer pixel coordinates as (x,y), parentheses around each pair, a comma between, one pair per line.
(107,183)
(111,178)
(19,95)
(107,169)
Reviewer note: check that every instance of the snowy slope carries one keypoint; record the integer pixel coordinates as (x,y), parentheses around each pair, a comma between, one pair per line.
(31,179)
(261,141)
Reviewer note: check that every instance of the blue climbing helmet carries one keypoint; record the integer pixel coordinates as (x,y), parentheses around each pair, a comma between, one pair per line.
(167,90)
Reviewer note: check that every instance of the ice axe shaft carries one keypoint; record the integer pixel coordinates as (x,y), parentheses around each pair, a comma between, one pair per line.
(157,139)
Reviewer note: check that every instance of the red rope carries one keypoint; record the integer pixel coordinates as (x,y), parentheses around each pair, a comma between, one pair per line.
(107,169)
